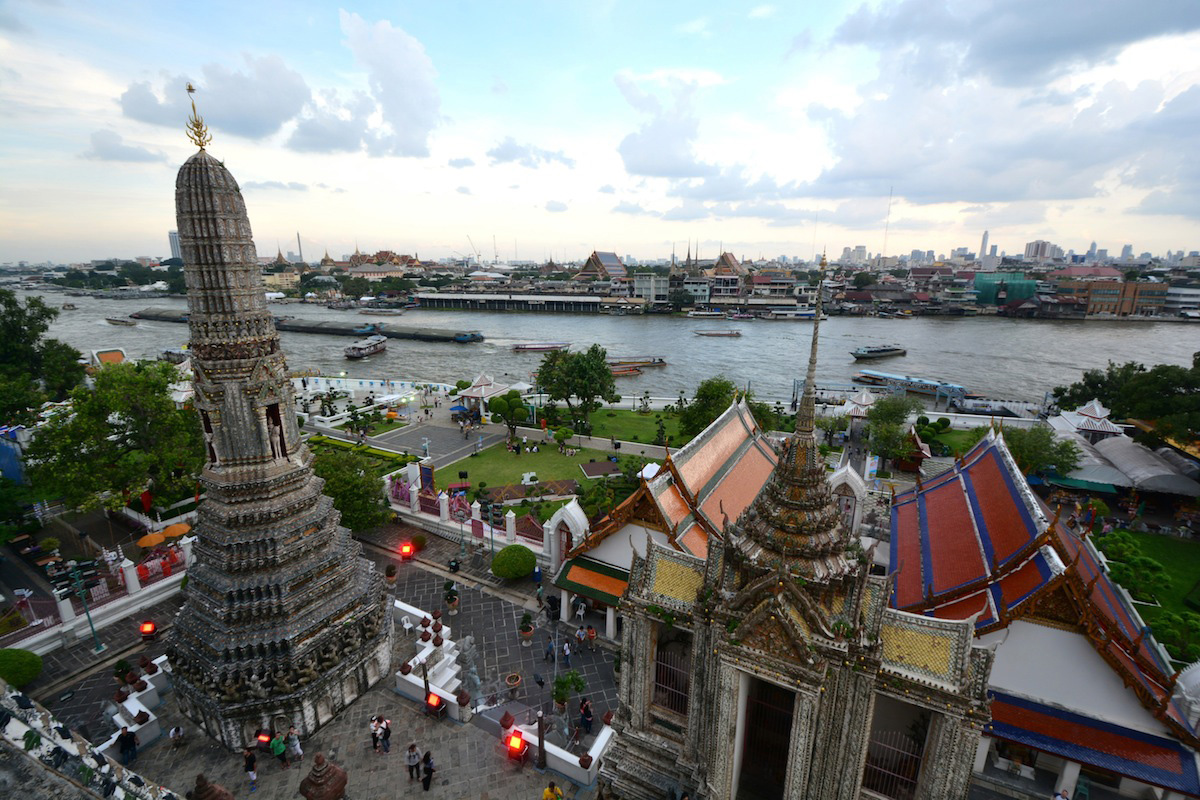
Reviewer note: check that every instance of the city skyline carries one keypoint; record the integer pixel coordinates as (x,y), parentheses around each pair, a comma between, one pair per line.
(559,130)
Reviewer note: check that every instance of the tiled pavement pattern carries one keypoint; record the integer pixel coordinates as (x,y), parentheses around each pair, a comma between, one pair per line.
(471,761)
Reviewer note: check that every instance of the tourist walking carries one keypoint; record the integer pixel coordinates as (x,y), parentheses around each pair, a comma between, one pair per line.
(249,763)
(552,792)
(279,750)
(549,655)
(413,759)
(591,637)
(585,715)
(293,743)
(567,654)
(541,602)
(580,638)
(385,734)
(427,770)
(375,734)
(127,743)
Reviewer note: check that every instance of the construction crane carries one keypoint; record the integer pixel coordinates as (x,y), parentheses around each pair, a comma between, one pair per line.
(474,249)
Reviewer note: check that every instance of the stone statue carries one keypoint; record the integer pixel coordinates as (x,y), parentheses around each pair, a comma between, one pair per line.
(466,659)
(273,435)
(255,688)
(325,781)
(308,672)
(208,791)
(232,689)
(282,684)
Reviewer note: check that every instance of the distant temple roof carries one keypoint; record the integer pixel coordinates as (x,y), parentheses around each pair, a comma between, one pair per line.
(602,265)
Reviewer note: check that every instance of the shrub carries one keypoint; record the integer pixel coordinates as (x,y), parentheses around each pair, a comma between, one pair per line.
(19,667)
(390,571)
(922,421)
(514,561)
(49,543)
(943,422)
(419,541)
(566,683)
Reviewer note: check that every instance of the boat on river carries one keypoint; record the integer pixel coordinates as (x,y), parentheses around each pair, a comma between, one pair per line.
(637,361)
(69,307)
(540,347)
(740,315)
(382,312)
(174,355)
(718,333)
(878,351)
(625,372)
(126,321)
(366,347)
(701,314)
(910,384)
(802,314)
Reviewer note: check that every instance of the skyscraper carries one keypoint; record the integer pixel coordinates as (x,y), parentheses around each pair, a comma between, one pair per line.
(173,238)
(283,622)
(983,251)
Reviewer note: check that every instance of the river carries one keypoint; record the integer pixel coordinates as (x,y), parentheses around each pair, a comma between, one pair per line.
(992,356)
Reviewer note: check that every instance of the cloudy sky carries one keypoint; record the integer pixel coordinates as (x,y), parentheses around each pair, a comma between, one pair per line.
(555,128)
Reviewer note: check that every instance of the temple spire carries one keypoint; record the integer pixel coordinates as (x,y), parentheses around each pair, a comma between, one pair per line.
(197,131)
(806,416)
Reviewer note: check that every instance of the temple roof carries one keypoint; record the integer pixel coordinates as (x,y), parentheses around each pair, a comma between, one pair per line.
(977,543)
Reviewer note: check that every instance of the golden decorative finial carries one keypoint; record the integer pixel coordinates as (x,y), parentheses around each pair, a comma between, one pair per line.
(197,131)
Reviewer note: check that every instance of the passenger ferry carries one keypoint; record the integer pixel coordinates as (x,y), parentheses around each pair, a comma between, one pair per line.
(126,321)
(540,347)
(718,333)
(802,314)
(701,314)
(367,347)
(878,351)
(909,383)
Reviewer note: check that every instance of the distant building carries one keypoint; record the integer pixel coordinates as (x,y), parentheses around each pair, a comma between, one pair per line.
(654,289)
(602,265)
(1121,298)
(173,239)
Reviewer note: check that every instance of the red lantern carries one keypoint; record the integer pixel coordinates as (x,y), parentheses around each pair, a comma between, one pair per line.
(406,551)
(148,630)
(518,748)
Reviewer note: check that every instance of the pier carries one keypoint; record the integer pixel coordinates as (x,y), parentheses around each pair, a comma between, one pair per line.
(335,327)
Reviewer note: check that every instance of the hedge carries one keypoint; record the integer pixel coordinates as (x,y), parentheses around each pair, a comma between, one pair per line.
(514,561)
(20,667)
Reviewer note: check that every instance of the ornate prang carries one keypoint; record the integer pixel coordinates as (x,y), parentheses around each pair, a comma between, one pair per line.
(325,781)
(282,617)
(197,131)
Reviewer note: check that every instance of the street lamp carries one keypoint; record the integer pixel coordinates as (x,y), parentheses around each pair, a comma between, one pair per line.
(76,578)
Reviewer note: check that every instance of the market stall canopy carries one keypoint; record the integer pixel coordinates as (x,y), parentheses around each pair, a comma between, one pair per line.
(1150,472)
(1093,467)
(151,539)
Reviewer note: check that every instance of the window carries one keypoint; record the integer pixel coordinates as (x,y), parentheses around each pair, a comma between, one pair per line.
(672,670)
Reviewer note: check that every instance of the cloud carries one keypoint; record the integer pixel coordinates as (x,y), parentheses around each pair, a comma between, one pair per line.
(460,163)
(1014,42)
(607,189)
(499,86)
(253,103)
(10,23)
(403,83)
(663,147)
(290,186)
(633,208)
(696,27)
(333,125)
(527,155)
(762,12)
(110,146)
(463,190)
(554,206)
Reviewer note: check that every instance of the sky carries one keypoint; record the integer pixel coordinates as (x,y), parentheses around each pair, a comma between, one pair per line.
(529,130)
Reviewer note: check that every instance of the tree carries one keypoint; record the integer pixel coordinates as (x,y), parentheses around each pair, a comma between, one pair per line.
(562,436)
(679,298)
(351,482)
(514,561)
(16,501)
(1142,576)
(1036,450)
(864,279)
(19,667)
(890,441)
(1119,546)
(119,439)
(713,397)
(892,410)
(29,362)
(581,380)
(1180,633)
(510,409)
(831,425)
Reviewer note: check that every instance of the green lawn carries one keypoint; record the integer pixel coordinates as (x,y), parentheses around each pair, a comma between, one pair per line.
(1181,558)
(630,426)
(382,462)
(382,427)
(495,466)
(957,441)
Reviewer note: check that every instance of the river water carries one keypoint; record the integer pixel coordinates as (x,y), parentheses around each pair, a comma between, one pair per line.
(992,356)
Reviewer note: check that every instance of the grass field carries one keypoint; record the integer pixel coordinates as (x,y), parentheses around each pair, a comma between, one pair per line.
(383,427)
(382,462)
(495,466)
(630,426)
(957,441)
(1181,558)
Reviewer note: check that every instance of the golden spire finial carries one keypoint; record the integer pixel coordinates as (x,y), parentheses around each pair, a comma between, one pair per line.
(197,131)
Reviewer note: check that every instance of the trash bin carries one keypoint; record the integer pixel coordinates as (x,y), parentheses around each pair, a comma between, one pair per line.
(537,575)
(554,604)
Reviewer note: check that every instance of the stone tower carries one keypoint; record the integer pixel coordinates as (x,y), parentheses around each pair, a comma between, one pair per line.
(283,622)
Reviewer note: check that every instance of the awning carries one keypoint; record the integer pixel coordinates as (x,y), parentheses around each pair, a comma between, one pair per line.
(458,409)
(1087,486)
(593,579)
(1142,756)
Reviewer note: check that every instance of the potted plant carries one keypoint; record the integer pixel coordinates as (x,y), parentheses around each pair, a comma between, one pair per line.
(525,629)
(451,597)
(513,682)
(390,574)
(120,670)
(569,681)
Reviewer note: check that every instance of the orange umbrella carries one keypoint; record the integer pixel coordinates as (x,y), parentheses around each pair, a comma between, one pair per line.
(151,539)
(178,529)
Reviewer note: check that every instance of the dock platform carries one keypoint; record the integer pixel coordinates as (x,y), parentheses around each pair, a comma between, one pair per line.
(335,327)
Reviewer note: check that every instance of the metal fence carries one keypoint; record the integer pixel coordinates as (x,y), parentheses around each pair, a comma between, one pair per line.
(893,766)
